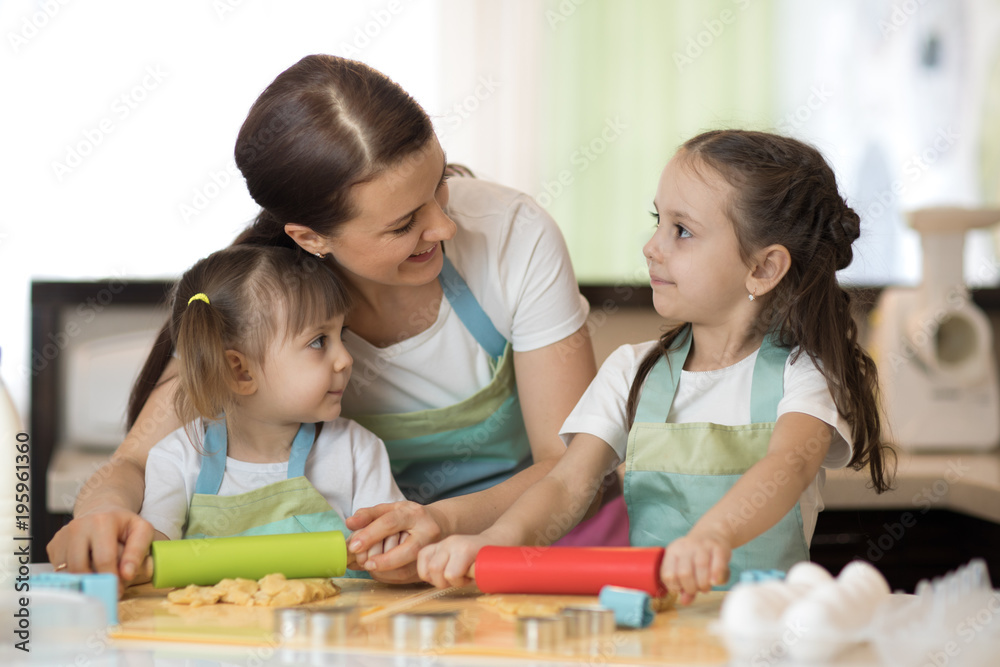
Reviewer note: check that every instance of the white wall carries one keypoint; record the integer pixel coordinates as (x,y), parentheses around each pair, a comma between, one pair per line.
(119,120)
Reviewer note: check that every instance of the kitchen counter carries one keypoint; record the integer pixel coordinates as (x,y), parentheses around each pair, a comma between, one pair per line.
(155,633)
(963,482)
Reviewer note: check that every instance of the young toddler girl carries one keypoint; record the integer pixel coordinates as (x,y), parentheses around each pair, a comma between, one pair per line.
(257,332)
(727,422)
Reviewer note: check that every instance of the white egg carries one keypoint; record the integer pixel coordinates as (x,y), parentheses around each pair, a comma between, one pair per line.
(863,574)
(751,609)
(808,575)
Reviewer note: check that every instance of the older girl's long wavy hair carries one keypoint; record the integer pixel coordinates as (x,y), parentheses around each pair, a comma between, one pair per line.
(321,127)
(787,194)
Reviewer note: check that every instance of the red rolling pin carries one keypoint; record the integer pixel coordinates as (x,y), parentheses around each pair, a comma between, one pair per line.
(568,570)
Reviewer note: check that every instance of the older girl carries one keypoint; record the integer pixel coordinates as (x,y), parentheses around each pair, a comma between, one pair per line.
(727,421)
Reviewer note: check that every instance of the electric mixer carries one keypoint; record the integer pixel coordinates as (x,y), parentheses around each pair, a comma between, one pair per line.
(934,346)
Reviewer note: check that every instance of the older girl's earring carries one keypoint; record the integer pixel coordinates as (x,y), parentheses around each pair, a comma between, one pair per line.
(751,296)
(319,254)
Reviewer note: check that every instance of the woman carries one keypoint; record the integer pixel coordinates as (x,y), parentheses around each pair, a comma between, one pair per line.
(459,289)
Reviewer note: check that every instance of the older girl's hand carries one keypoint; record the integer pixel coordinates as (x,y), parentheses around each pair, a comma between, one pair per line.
(694,563)
(448,562)
(372,526)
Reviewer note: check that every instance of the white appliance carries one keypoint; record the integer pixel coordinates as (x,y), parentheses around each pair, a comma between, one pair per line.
(97,367)
(934,346)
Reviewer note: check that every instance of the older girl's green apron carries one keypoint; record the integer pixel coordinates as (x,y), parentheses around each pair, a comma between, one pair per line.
(292,505)
(469,446)
(674,473)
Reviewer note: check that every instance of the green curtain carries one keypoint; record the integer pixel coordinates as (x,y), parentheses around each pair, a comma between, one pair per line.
(626,82)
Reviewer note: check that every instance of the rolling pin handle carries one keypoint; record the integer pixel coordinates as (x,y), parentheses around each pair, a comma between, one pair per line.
(144,573)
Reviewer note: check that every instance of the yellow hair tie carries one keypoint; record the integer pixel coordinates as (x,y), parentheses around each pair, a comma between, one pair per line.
(200,297)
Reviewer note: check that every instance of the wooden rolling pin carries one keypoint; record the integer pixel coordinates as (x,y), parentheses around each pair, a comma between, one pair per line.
(568,570)
(208,561)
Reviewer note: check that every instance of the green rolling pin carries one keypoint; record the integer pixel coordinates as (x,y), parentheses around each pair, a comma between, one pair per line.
(208,561)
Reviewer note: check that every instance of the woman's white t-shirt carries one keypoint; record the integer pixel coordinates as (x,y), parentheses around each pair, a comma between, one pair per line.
(514,259)
(348,465)
(719,396)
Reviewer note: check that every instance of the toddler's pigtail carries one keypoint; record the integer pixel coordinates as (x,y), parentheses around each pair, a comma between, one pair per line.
(205,389)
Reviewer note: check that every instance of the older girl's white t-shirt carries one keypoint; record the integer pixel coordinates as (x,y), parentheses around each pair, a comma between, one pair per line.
(348,465)
(719,396)
(514,259)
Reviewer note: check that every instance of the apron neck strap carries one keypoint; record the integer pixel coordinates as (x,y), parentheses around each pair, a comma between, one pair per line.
(213,461)
(661,384)
(470,312)
(301,446)
(766,389)
(768,385)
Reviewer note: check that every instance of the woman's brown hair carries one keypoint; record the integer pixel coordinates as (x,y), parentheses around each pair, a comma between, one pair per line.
(787,194)
(242,298)
(322,126)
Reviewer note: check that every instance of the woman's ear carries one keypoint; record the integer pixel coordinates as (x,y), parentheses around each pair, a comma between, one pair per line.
(306,238)
(772,264)
(241,379)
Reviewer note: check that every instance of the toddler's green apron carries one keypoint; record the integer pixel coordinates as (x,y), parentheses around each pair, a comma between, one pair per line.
(292,505)
(674,473)
(469,446)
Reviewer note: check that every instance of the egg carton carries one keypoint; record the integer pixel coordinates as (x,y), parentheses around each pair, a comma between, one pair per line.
(810,616)
(952,620)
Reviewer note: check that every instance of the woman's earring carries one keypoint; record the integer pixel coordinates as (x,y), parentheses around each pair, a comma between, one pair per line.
(751,296)
(319,254)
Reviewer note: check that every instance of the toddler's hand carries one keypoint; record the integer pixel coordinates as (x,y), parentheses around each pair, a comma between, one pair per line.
(695,563)
(447,562)
(363,560)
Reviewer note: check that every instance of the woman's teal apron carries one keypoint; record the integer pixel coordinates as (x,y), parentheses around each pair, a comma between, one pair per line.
(292,505)
(472,445)
(674,473)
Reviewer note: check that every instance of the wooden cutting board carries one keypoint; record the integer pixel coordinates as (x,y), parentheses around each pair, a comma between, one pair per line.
(676,636)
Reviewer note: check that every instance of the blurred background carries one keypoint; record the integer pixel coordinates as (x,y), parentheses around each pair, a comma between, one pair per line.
(120,118)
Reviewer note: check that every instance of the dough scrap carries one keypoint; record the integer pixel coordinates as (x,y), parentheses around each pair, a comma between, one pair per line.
(552,605)
(273,590)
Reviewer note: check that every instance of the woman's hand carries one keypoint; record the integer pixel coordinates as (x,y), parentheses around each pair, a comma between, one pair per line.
(376,527)
(112,540)
(447,563)
(696,562)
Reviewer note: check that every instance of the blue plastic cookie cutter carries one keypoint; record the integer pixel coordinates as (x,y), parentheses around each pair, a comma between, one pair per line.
(633,608)
(104,587)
